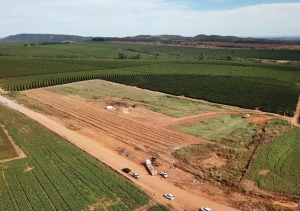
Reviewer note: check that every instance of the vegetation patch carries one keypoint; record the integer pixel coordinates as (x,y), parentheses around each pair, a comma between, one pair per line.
(281,158)
(233,162)
(226,164)
(158,208)
(6,148)
(176,114)
(228,129)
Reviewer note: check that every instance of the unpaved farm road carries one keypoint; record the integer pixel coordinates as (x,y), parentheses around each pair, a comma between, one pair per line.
(156,186)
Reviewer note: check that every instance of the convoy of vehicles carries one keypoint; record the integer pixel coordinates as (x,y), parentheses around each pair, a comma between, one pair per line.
(150,167)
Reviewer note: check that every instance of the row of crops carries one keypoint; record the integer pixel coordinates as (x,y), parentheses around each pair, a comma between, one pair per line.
(268,87)
(57,176)
(15,67)
(110,50)
(272,95)
(280,159)
(239,91)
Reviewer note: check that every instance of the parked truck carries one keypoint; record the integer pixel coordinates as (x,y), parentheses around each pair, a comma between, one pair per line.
(150,167)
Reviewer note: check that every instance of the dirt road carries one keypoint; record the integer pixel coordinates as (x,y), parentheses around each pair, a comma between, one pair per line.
(156,186)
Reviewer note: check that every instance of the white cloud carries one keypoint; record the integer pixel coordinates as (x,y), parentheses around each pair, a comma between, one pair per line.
(129,18)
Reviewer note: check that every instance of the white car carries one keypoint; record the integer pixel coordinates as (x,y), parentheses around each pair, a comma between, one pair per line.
(135,175)
(205,209)
(169,196)
(246,116)
(164,174)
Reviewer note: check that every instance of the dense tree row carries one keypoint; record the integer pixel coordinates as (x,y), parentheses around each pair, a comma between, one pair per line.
(237,91)
(247,92)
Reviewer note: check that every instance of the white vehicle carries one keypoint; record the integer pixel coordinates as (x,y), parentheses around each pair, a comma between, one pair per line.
(164,174)
(205,209)
(169,196)
(135,175)
(246,116)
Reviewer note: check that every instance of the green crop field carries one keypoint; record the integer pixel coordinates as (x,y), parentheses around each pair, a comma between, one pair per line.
(254,93)
(231,130)
(6,148)
(276,165)
(100,50)
(268,87)
(56,175)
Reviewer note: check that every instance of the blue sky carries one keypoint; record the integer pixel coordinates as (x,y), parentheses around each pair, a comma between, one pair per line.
(226,4)
(120,18)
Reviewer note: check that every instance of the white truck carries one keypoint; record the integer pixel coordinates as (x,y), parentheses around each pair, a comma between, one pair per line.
(150,167)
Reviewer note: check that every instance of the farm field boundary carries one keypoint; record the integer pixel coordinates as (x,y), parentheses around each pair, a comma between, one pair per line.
(9,150)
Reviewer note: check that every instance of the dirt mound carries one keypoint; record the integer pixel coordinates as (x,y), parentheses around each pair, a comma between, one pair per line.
(259,119)
(215,160)
(264,172)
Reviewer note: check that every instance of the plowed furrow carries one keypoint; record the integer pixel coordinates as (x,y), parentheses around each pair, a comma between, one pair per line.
(122,132)
(107,122)
(168,137)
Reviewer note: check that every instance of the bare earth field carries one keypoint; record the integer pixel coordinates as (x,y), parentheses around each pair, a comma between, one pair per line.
(125,136)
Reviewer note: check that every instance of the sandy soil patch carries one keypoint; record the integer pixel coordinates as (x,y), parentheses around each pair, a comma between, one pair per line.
(215,160)
(264,172)
(259,119)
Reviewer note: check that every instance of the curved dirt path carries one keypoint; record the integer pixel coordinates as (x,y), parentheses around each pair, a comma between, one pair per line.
(154,185)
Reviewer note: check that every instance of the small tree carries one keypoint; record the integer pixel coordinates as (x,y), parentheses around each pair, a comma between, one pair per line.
(201,56)
(121,56)
(229,58)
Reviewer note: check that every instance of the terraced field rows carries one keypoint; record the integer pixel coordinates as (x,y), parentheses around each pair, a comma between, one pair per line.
(121,128)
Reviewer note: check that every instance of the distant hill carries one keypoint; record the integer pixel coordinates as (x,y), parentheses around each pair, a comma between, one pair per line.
(198,38)
(44,38)
(55,38)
